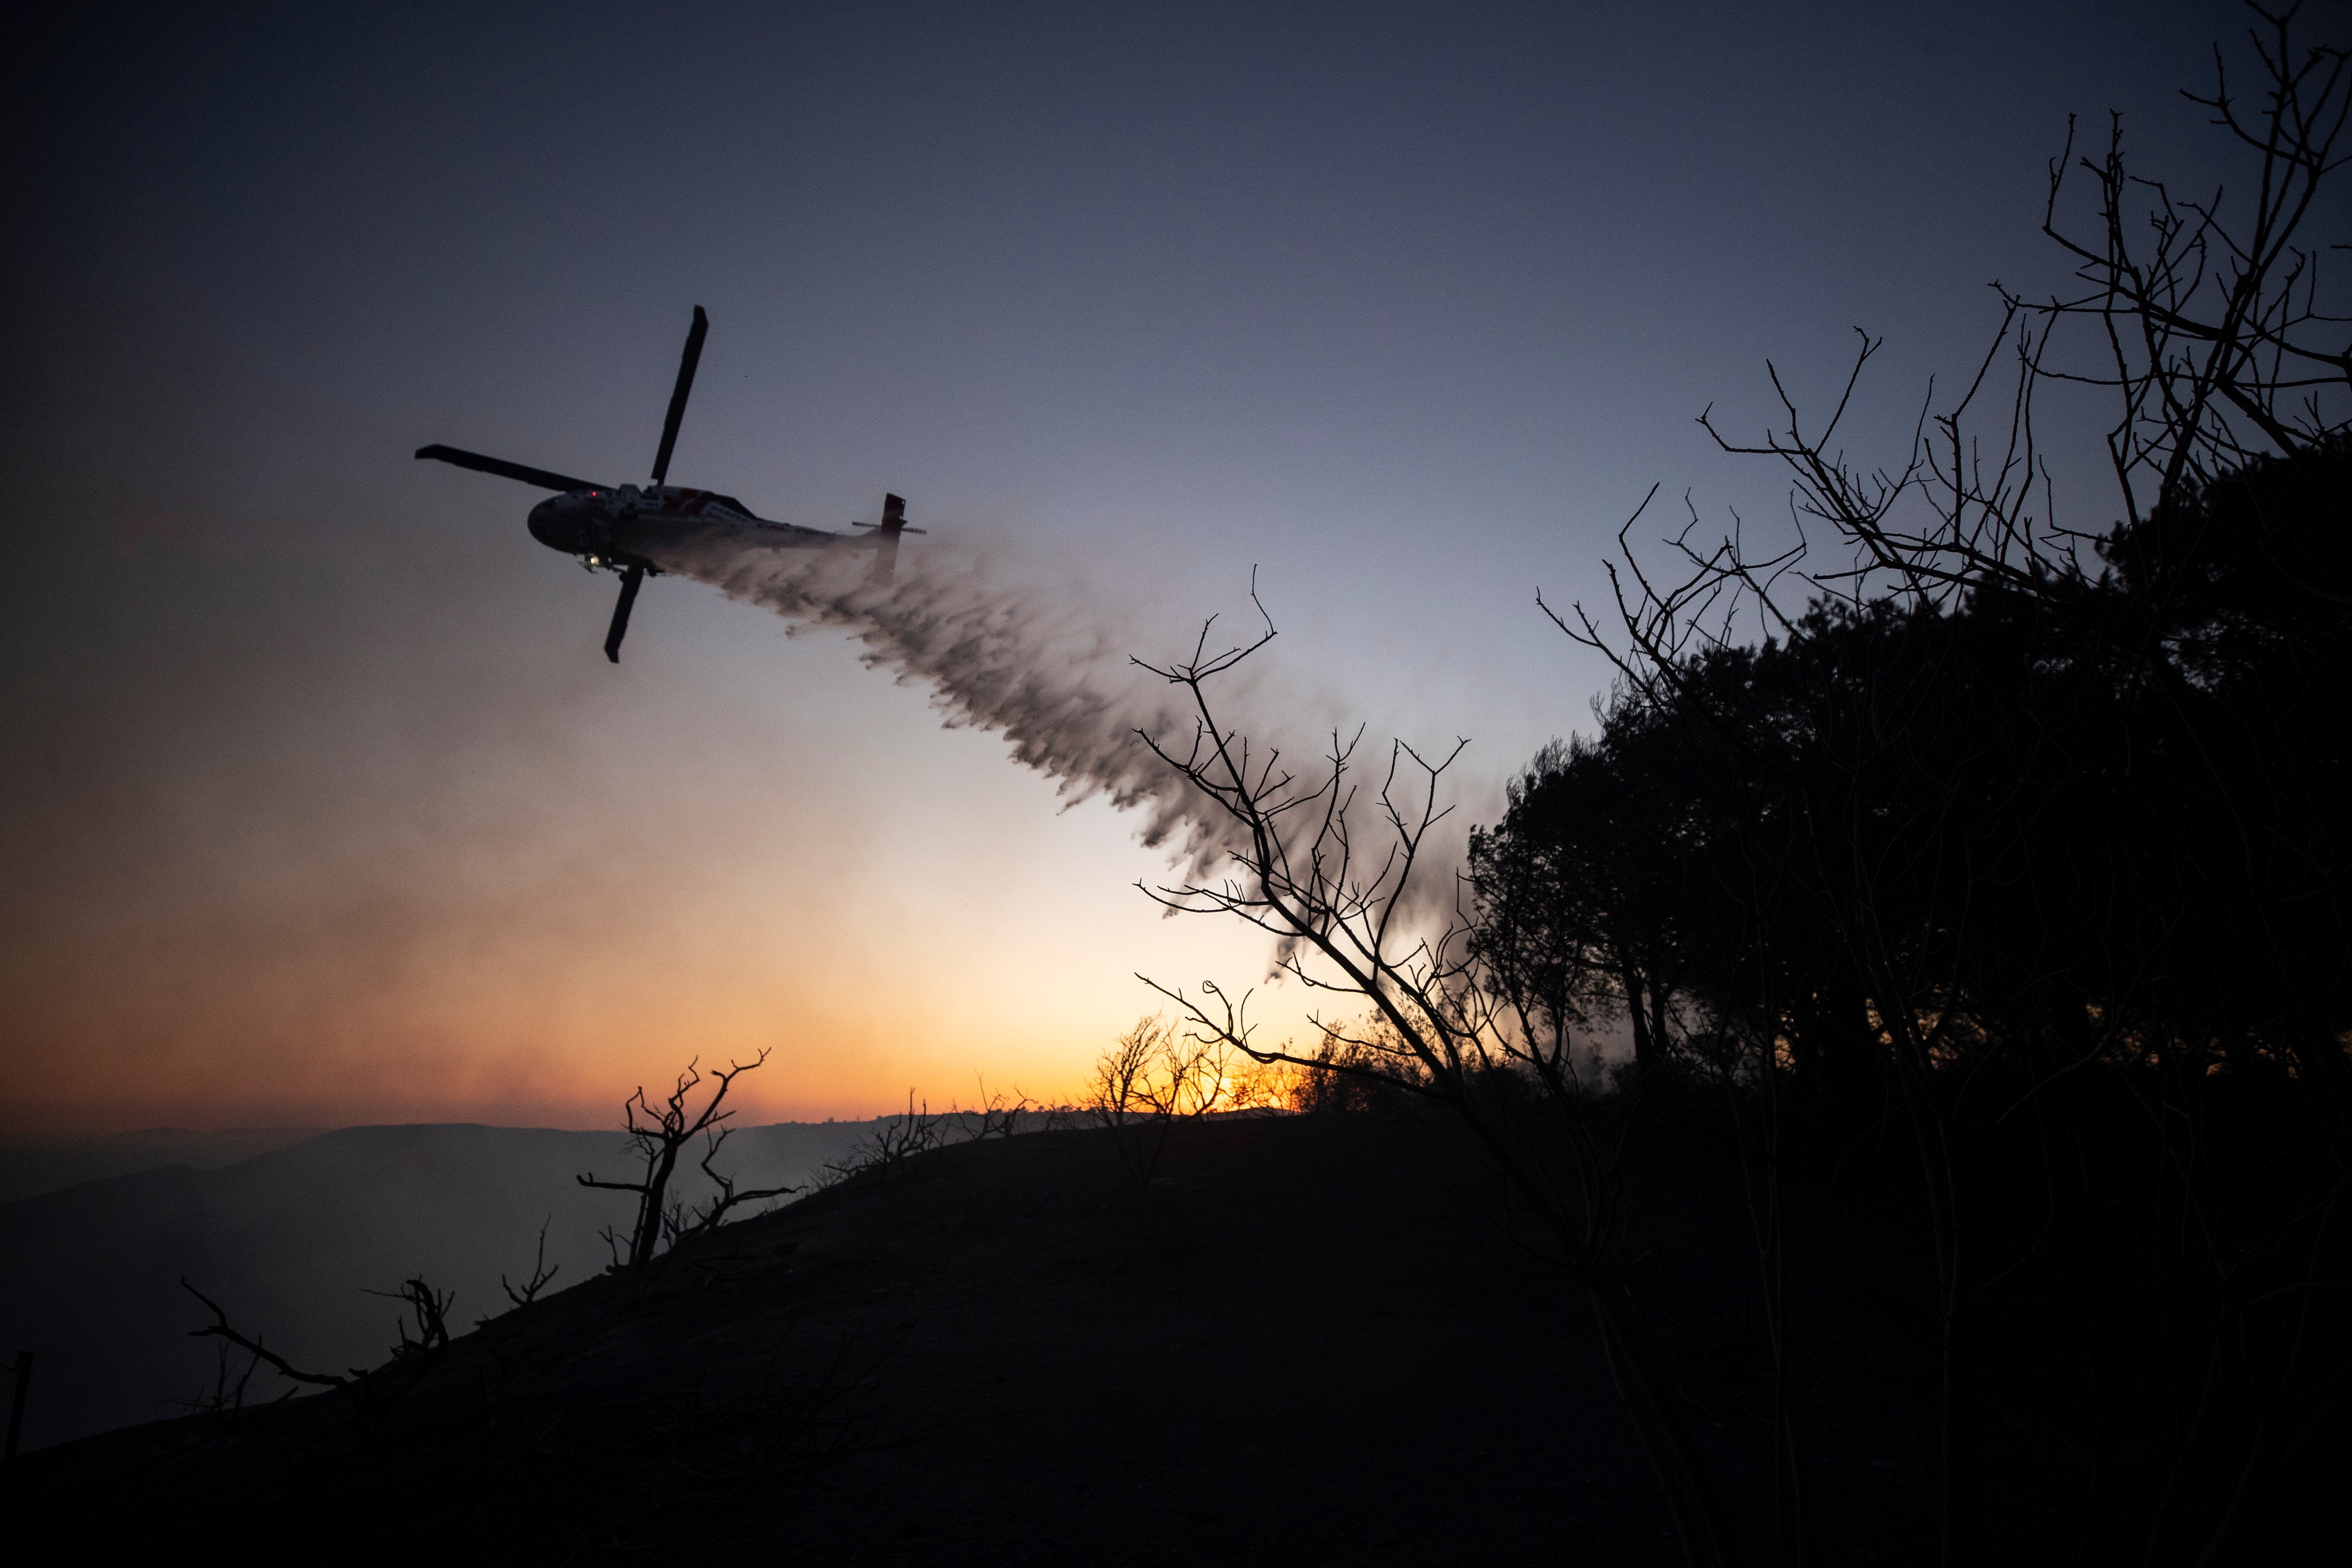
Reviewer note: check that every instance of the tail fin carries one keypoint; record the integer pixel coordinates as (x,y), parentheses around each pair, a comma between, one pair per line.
(886,543)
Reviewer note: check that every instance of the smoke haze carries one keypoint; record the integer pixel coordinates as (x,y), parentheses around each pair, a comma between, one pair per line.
(319,804)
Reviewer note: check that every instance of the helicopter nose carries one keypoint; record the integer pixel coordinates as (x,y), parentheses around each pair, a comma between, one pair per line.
(556,522)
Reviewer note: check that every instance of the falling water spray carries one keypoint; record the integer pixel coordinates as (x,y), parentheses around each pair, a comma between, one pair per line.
(1054,673)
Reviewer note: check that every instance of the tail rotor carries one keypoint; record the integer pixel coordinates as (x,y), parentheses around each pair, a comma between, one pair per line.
(886,541)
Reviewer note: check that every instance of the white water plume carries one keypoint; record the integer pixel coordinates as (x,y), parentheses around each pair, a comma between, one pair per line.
(1054,673)
(1047,668)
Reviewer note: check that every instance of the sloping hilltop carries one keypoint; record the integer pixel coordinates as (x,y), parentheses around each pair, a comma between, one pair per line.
(290,1241)
(1308,1339)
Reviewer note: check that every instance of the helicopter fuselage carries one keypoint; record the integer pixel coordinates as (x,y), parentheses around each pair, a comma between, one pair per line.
(621,527)
(624,525)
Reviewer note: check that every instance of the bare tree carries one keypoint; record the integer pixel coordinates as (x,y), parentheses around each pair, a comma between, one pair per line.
(1113,1091)
(2219,350)
(1350,919)
(897,1140)
(540,1272)
(894,1143)
(1154,1076)
(1159,1070)
(373,1392)
(993,1115)
(2205,322)
(224,1398)
(658,1134)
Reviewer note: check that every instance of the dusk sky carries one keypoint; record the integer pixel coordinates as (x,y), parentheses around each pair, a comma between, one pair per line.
(319,804)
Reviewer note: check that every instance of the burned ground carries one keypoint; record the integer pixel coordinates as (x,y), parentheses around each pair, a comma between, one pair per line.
(1309,1339)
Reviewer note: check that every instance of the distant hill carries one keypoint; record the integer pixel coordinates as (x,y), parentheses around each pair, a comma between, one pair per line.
(289,1241)
(30,1166)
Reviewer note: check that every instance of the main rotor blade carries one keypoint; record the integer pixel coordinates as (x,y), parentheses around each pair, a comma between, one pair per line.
(630,584)
(678,398)
(504,469)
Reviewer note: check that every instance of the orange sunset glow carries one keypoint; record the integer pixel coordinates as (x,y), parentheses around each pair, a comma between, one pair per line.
(1216,784)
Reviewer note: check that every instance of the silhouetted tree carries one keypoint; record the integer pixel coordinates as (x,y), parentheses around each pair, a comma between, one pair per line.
(2026,822)
(658,1134)
(1156,1075)
(371,1392)
(541,1272)
(894,1143)
(1348,1077)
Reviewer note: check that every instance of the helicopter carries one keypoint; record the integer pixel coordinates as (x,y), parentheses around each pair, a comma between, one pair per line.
(612,528)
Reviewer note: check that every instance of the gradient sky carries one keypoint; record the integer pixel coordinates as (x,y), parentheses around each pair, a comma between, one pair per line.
(319,804)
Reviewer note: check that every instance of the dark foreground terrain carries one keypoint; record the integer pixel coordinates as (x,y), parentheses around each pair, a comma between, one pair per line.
(291,1240)
(1308,1339)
